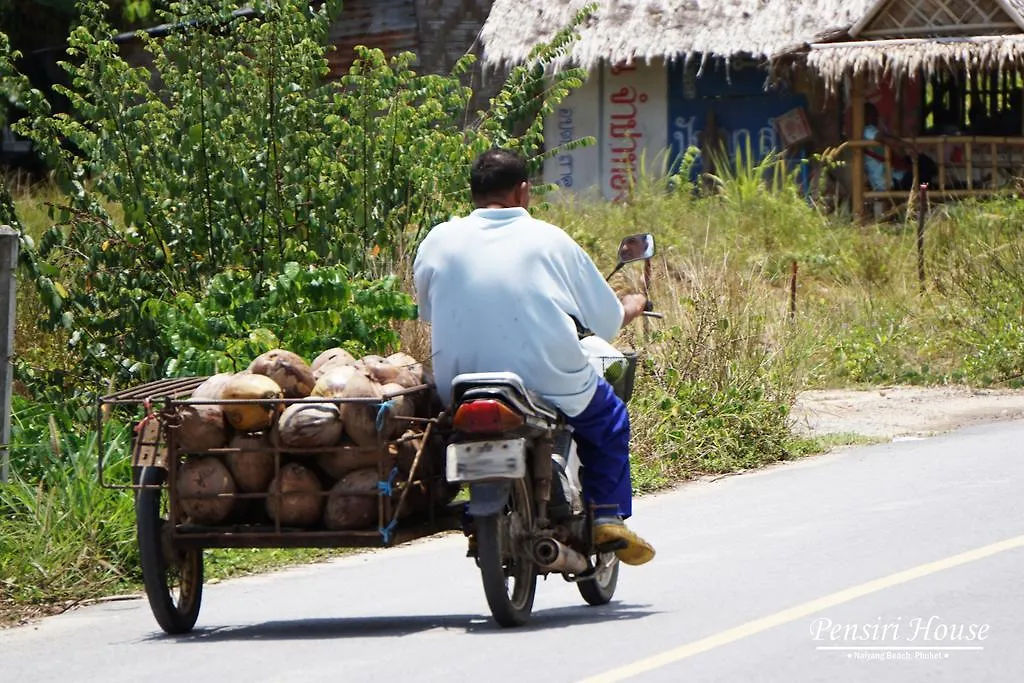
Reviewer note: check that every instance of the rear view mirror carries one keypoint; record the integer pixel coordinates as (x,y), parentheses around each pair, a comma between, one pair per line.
(636,248)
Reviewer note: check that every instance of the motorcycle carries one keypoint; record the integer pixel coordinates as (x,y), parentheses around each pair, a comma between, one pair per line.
(514,451)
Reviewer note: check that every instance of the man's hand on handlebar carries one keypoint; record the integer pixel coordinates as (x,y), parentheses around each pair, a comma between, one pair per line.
(634,306)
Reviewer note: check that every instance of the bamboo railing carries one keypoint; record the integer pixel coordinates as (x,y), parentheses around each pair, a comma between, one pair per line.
(1001,158)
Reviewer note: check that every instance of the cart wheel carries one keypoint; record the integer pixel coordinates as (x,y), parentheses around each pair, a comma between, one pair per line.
(173,580)
(509,574)
(600,589)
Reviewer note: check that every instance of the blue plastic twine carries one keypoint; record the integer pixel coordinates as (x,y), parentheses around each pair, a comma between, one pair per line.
(386,487)
(387,531)
(382,414)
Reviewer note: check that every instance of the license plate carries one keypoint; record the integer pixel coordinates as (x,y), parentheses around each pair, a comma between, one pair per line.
(504,459)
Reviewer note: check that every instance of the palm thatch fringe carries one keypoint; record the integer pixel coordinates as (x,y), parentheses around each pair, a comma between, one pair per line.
(901,58)
(625,31)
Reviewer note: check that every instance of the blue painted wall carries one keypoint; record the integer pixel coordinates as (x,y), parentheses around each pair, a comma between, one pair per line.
(744,111)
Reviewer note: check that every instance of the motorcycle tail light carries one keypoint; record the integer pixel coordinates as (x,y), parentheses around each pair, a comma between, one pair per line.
(486,416)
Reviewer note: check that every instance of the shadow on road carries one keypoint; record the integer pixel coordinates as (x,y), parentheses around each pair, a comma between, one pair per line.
(398,625)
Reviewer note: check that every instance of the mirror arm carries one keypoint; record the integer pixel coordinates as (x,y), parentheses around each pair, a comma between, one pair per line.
(618,267)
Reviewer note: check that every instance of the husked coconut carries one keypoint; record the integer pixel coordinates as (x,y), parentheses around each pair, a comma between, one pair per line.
(360,419)
(336,355)
(252,467)
(333,380)
(310,425)
(205,476)
(407,362)
(202,428)
(300,503)
(400,407)
(252,417)
(338,462)
(385,373)
(287,369)
(213,386)
(346,508)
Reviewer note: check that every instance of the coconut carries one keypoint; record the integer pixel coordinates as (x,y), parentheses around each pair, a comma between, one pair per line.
(360,418)
(213,386)
(310,425)
(336,355)
(347,511)
(202,477)
(383,372)
(301,503)
(333,380)
(202,428)
(252,467)
(407,362)
(251,417)
(338,462)
(287,369)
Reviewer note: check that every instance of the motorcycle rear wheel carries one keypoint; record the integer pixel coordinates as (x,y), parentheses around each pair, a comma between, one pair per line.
(501,559)
(600,589)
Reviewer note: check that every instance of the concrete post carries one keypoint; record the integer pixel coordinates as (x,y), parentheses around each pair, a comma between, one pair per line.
(9,240)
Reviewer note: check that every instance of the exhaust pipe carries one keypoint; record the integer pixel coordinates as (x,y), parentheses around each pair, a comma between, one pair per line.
(556,557)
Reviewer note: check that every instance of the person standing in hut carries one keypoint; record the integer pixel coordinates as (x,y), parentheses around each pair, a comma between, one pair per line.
(902,160)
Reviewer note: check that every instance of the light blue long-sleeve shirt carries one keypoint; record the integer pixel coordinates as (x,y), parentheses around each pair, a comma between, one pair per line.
(498,288)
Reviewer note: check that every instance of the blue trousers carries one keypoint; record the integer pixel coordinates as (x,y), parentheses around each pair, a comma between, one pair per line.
(601,433)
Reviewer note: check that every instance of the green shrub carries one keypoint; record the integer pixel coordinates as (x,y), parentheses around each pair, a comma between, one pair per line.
(304,310)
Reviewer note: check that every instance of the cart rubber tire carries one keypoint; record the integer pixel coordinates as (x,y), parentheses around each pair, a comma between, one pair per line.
(174,616)
(600,589)
(508,611)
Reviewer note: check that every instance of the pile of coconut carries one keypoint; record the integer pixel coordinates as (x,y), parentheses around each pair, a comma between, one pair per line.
(317,462)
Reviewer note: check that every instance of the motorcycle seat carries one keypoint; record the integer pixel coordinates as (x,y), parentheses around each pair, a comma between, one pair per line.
(507,385)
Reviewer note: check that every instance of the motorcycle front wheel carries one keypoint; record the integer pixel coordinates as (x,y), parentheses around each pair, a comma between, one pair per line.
(509,574)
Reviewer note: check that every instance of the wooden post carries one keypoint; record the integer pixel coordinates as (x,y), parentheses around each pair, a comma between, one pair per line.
(922,207)
(792,292)
(857,167)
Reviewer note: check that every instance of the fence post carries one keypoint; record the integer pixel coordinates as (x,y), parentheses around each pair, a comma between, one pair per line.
(792,291)
(922,203)
(8,289)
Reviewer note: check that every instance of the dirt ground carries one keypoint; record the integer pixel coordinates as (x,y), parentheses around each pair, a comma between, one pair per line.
(893,412)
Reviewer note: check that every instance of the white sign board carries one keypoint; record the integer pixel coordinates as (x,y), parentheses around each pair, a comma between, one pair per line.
(625,109)
(634,126)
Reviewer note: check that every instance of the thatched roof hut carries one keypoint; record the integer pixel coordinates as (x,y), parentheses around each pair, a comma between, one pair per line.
(902,37)
(622,31)
(837,36)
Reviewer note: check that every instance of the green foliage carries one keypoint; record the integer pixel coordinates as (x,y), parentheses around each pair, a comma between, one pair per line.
(236,152)
(304,310)
(59,530)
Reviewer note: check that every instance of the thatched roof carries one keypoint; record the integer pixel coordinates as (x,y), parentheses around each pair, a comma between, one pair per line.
(902,57)
(972,34)
(631,30)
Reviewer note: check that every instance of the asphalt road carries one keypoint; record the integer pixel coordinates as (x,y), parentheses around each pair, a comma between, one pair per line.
(901,552)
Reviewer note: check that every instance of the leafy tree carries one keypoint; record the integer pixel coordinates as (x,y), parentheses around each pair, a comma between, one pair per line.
(235,154)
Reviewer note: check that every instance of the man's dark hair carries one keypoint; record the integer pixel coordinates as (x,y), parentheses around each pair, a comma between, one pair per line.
(496,172)
(870,110)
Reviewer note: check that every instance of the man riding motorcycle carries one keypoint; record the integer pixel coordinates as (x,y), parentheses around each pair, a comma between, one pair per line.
(501,290)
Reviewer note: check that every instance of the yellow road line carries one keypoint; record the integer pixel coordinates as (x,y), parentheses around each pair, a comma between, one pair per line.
(800,611)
